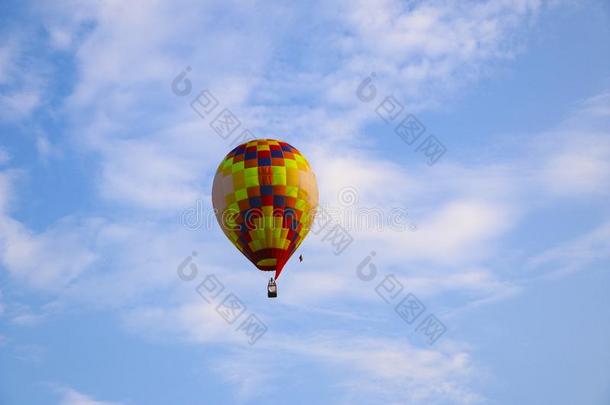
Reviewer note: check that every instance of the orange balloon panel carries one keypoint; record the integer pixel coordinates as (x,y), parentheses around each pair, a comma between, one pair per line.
(265,195)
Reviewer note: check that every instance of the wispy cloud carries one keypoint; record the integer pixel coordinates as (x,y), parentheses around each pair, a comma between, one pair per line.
(23,83)
(367,368)
(2,306)
(48,260)
(8,50)
(574,255)
(370,367)
(4,156)
(69,396)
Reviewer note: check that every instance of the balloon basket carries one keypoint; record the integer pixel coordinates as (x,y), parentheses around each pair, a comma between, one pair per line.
(271,289)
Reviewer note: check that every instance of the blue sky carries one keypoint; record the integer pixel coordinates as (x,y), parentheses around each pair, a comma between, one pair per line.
(101,163)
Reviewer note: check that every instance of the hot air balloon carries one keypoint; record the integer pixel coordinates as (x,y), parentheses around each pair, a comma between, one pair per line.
(264,196)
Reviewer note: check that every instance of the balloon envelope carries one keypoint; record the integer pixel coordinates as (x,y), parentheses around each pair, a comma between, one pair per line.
(265,195)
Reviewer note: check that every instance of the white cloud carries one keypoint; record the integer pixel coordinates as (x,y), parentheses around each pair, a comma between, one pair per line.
(22,74)
(593,248)
(48,260)
(65,21)
(141,258)
(367,368)
(19,104)
(112,60)
(8,50)
(426,49)
(459,210)
(372,179)
(29,353)
(582,169)
(46,150)
(4,156)
(459,229)
(145,175)
(194,322)
(5,191)
(72,397)
(24,316)
(596,106)
(575,157)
